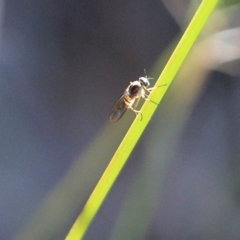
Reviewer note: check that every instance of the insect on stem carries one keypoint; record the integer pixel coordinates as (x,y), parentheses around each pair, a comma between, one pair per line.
(135,90)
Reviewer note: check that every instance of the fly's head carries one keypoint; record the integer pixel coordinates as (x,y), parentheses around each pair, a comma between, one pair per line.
(144,81)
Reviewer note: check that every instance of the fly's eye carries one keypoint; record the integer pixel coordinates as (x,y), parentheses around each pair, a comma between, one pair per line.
(144,81)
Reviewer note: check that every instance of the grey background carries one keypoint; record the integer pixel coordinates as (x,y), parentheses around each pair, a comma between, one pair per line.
(63,64)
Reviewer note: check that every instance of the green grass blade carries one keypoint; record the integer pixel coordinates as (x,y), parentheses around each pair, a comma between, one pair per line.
(120,157)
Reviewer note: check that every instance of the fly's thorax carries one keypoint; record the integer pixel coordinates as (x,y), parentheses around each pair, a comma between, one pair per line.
(134,89)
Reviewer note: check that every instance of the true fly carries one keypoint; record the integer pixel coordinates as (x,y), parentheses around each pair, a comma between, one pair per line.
(135,90)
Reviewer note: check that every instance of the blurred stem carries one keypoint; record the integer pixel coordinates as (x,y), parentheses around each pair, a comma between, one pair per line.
(120,157)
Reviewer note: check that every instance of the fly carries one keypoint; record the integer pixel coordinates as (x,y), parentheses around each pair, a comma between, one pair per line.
(135,90)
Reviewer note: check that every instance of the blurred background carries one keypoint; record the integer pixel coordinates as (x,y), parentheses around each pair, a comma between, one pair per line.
(63,64)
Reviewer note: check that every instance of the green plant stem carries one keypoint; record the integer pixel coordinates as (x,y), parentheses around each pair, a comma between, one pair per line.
(119,159)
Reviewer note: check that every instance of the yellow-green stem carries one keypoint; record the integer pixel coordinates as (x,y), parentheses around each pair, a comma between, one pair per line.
(100,192)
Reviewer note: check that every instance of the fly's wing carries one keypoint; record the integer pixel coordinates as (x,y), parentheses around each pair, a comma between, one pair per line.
(118,110)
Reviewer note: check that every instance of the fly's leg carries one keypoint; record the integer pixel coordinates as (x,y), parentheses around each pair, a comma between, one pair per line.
(136,103)
(146,98)
(149,91)
(136,112)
